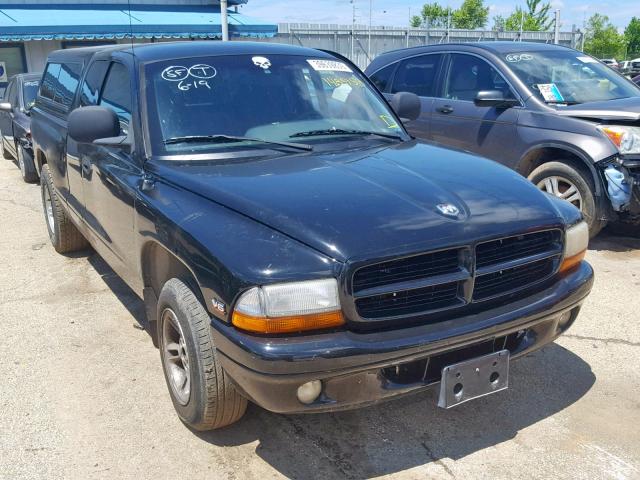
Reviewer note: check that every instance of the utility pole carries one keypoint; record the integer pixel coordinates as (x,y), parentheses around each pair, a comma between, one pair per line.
(521,25)
(224,20)
(556,30)
(353,31)
(370,21)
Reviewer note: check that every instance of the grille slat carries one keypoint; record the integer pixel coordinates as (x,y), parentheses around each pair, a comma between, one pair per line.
(409,301)
(519,254)
(406,269)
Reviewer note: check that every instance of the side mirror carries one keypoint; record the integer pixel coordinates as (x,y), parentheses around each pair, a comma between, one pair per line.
(406,105)
(88,124)
(494,98)
(6,107)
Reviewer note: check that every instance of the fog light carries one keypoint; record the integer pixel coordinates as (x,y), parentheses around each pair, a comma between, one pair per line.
(309,392)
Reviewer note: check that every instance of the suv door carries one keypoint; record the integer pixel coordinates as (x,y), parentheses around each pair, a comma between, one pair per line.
(6,119)
(457,121)
(419,75)
(110,176)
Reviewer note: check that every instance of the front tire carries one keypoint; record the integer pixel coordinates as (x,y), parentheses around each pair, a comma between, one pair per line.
(64,235)
(27,168)
(203,395)
(563,180)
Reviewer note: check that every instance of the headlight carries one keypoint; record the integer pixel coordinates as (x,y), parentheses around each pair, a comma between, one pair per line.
(626,139)
(289,307)
(575,246)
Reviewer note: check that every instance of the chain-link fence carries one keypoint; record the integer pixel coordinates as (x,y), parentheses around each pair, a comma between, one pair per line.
(362,45)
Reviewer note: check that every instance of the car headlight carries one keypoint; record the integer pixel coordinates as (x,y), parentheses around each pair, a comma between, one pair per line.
(575,245)
(625,138)
(289,307)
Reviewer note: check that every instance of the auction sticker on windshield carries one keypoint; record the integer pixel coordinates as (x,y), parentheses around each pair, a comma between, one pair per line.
(550,92)
(328,66)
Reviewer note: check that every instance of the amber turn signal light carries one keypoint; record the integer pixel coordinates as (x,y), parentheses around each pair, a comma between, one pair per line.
(570,262)
(292,324)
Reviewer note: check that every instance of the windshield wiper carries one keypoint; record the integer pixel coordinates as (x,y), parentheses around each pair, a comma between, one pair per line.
(340,131)
(558,102)
(232,139)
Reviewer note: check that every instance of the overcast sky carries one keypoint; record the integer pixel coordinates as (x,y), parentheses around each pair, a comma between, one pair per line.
(339,11)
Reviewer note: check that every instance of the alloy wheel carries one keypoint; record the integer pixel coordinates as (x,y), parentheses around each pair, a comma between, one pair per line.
(562,188)
(176,357)
(48,208)
(21,161)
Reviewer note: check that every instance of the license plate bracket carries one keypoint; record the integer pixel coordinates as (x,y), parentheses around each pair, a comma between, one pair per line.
(474,378)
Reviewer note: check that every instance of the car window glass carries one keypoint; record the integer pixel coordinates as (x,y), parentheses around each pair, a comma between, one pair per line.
(29,91)
(417,75)
(116,95)
(67,84)
(48,87)
(469,74)
(13,95)
(8,92)
(92,83)
(382,77)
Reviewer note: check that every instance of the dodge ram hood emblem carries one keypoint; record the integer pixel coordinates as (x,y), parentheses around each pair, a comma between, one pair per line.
(448,209)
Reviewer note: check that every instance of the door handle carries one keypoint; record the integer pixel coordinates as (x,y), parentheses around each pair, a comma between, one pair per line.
(445,109)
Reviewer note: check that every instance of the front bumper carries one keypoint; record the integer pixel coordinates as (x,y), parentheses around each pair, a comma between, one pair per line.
(362,368)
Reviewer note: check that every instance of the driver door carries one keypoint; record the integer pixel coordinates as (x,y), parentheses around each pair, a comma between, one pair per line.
(458,122)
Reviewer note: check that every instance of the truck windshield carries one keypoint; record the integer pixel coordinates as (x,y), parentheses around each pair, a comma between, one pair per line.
(255,100)
(29,91)
(569,77)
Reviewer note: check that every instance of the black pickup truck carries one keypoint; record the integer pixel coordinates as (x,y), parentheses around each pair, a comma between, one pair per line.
(293,245)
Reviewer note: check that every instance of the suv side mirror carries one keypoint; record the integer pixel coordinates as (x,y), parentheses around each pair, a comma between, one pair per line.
(5,107)
(494,98)
(406,105)
(88,124)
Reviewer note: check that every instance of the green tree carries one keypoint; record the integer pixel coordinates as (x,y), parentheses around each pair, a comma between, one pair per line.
(416,21)
(499,23)
(602,39)
(534,19)
(632,37)
(471,14)
(435,15)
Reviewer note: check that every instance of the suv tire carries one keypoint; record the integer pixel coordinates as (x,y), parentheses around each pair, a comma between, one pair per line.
(27,168)
(64,235)
(561,179)
(203,395)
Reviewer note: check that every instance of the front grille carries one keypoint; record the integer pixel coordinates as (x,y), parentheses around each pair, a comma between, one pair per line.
(406,269)
(511,248)
(434,281)
(409,302)
(509,280)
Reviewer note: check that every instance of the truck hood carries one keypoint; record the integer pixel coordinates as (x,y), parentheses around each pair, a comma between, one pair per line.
(359,204)
(624,109)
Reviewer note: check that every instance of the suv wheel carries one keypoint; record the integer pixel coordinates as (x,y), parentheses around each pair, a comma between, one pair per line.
(64,235)
(564,181)
(27,168)
(203,395)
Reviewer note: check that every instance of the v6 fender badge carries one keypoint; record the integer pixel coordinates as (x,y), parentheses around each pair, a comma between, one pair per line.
(218,305)
(448,209)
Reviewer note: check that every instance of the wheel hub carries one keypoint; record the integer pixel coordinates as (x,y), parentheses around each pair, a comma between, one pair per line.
(176,357)
(563,188)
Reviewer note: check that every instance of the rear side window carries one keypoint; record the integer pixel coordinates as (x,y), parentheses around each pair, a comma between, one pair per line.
(116,95)
(382,77)
(50,79)
(60,82)
(92,83)
(68,80)
(418,75)
(469,74)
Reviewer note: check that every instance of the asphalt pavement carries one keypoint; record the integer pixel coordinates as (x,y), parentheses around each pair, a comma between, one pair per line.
(83,395)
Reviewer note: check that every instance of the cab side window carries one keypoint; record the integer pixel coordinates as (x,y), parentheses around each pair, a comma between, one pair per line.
(9,95)
(469,75)
(92,83)
(68,80)
(50,80)
(13,95)
(418,75)
(116,95)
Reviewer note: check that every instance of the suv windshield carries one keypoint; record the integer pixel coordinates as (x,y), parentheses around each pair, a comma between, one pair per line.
(194,103)
(29,92)
(569,77)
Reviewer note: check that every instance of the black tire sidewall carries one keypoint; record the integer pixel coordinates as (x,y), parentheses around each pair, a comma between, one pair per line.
(29,175)
(584,185)
(45,183)
(191,413)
